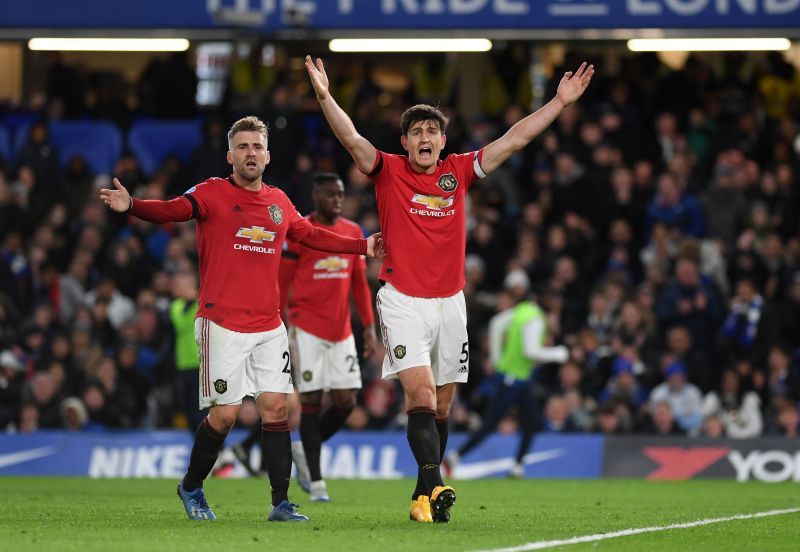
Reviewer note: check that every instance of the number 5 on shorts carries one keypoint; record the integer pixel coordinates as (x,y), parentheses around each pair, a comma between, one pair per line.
(465,352)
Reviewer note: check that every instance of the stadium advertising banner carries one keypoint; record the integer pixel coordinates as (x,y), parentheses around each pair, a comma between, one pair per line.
(348,455)
(404,14)
(770,460)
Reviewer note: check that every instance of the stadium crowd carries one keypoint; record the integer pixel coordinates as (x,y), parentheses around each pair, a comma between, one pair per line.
(657,223)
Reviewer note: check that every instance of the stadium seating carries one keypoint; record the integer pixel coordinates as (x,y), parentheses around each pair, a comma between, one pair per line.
(152,141)
(99,142)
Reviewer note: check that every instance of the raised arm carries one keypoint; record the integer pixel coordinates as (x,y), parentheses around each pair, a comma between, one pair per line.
(521,134)
(151,210)
(359,148)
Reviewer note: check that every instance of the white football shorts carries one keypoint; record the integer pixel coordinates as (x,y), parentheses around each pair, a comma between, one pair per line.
(419,331)
(234,364)
(320,365)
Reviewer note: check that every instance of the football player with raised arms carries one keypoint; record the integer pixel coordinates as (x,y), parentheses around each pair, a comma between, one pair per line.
(421,309)
(242,224)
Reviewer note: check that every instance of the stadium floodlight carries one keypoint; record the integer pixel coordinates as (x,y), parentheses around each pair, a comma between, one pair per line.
(707,44)
(410,45)
(110,44)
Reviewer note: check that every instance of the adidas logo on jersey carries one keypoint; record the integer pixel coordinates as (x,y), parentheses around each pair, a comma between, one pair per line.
(463,370)
(237,209)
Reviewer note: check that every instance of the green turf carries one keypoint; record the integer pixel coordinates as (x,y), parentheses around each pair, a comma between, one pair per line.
(85,514)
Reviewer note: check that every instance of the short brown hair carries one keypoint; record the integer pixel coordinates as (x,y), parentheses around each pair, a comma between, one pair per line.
(422,112)
(248,124)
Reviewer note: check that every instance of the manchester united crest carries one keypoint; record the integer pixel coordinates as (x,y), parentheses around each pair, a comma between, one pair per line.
(220,386)
(307,375)
(400,351)
(447,182)
(275,214)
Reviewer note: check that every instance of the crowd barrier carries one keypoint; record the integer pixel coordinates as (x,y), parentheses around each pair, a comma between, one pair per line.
(385,455)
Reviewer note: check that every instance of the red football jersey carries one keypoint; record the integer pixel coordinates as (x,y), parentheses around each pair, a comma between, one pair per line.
(423,222)
(240,235)
(320,285)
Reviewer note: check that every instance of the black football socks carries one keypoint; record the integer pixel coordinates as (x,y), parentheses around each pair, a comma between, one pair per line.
(207,442)
(276,447)
(332,421)
(311,438)
(424,442)
(442,428)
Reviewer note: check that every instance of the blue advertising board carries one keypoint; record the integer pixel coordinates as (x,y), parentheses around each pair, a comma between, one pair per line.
(348,455)
(403,14)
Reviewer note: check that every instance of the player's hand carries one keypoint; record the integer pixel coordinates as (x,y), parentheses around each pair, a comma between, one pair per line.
(573,85)
(375,248)
(319,79)
(119,200)
(370,341)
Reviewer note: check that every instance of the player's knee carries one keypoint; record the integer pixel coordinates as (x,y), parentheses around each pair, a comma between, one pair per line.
(422,397)
(344,402)
(311,397)
(221,421)
(344,399)
(442,410)
(274,412)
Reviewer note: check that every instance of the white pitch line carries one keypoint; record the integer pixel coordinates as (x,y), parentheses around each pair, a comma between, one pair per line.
(540,545)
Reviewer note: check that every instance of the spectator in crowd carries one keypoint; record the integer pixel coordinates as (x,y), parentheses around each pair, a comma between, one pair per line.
(712,427)
(787,422)
(684,398)
(751,324)
(623,388)
(690,300)
(611,419)
(661,421)
(11,383)
(680,211)
(557,417)
(738,410)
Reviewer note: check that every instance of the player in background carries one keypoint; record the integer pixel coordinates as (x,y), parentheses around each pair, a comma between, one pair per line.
(244,350)
(518,339)
(182,313)
(318,287)
(421,209)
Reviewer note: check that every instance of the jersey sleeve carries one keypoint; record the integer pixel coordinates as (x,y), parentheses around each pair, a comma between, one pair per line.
(362,294)
(286,273)
(385,166)
(159,212)
(201,198)
(377,168)
(299,226)
(468,166)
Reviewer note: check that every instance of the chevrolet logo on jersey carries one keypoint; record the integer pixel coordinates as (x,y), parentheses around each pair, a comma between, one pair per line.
(256,234)
(433,202)
(331,264)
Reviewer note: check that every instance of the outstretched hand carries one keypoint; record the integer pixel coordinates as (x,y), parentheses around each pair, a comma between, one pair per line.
(319,79)
(573,85)
(375,248)
(119,200)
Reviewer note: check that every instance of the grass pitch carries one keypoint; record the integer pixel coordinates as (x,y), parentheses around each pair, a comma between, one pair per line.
(100,514)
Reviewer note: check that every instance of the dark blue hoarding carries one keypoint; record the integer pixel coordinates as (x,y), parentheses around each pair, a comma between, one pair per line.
(402,14)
